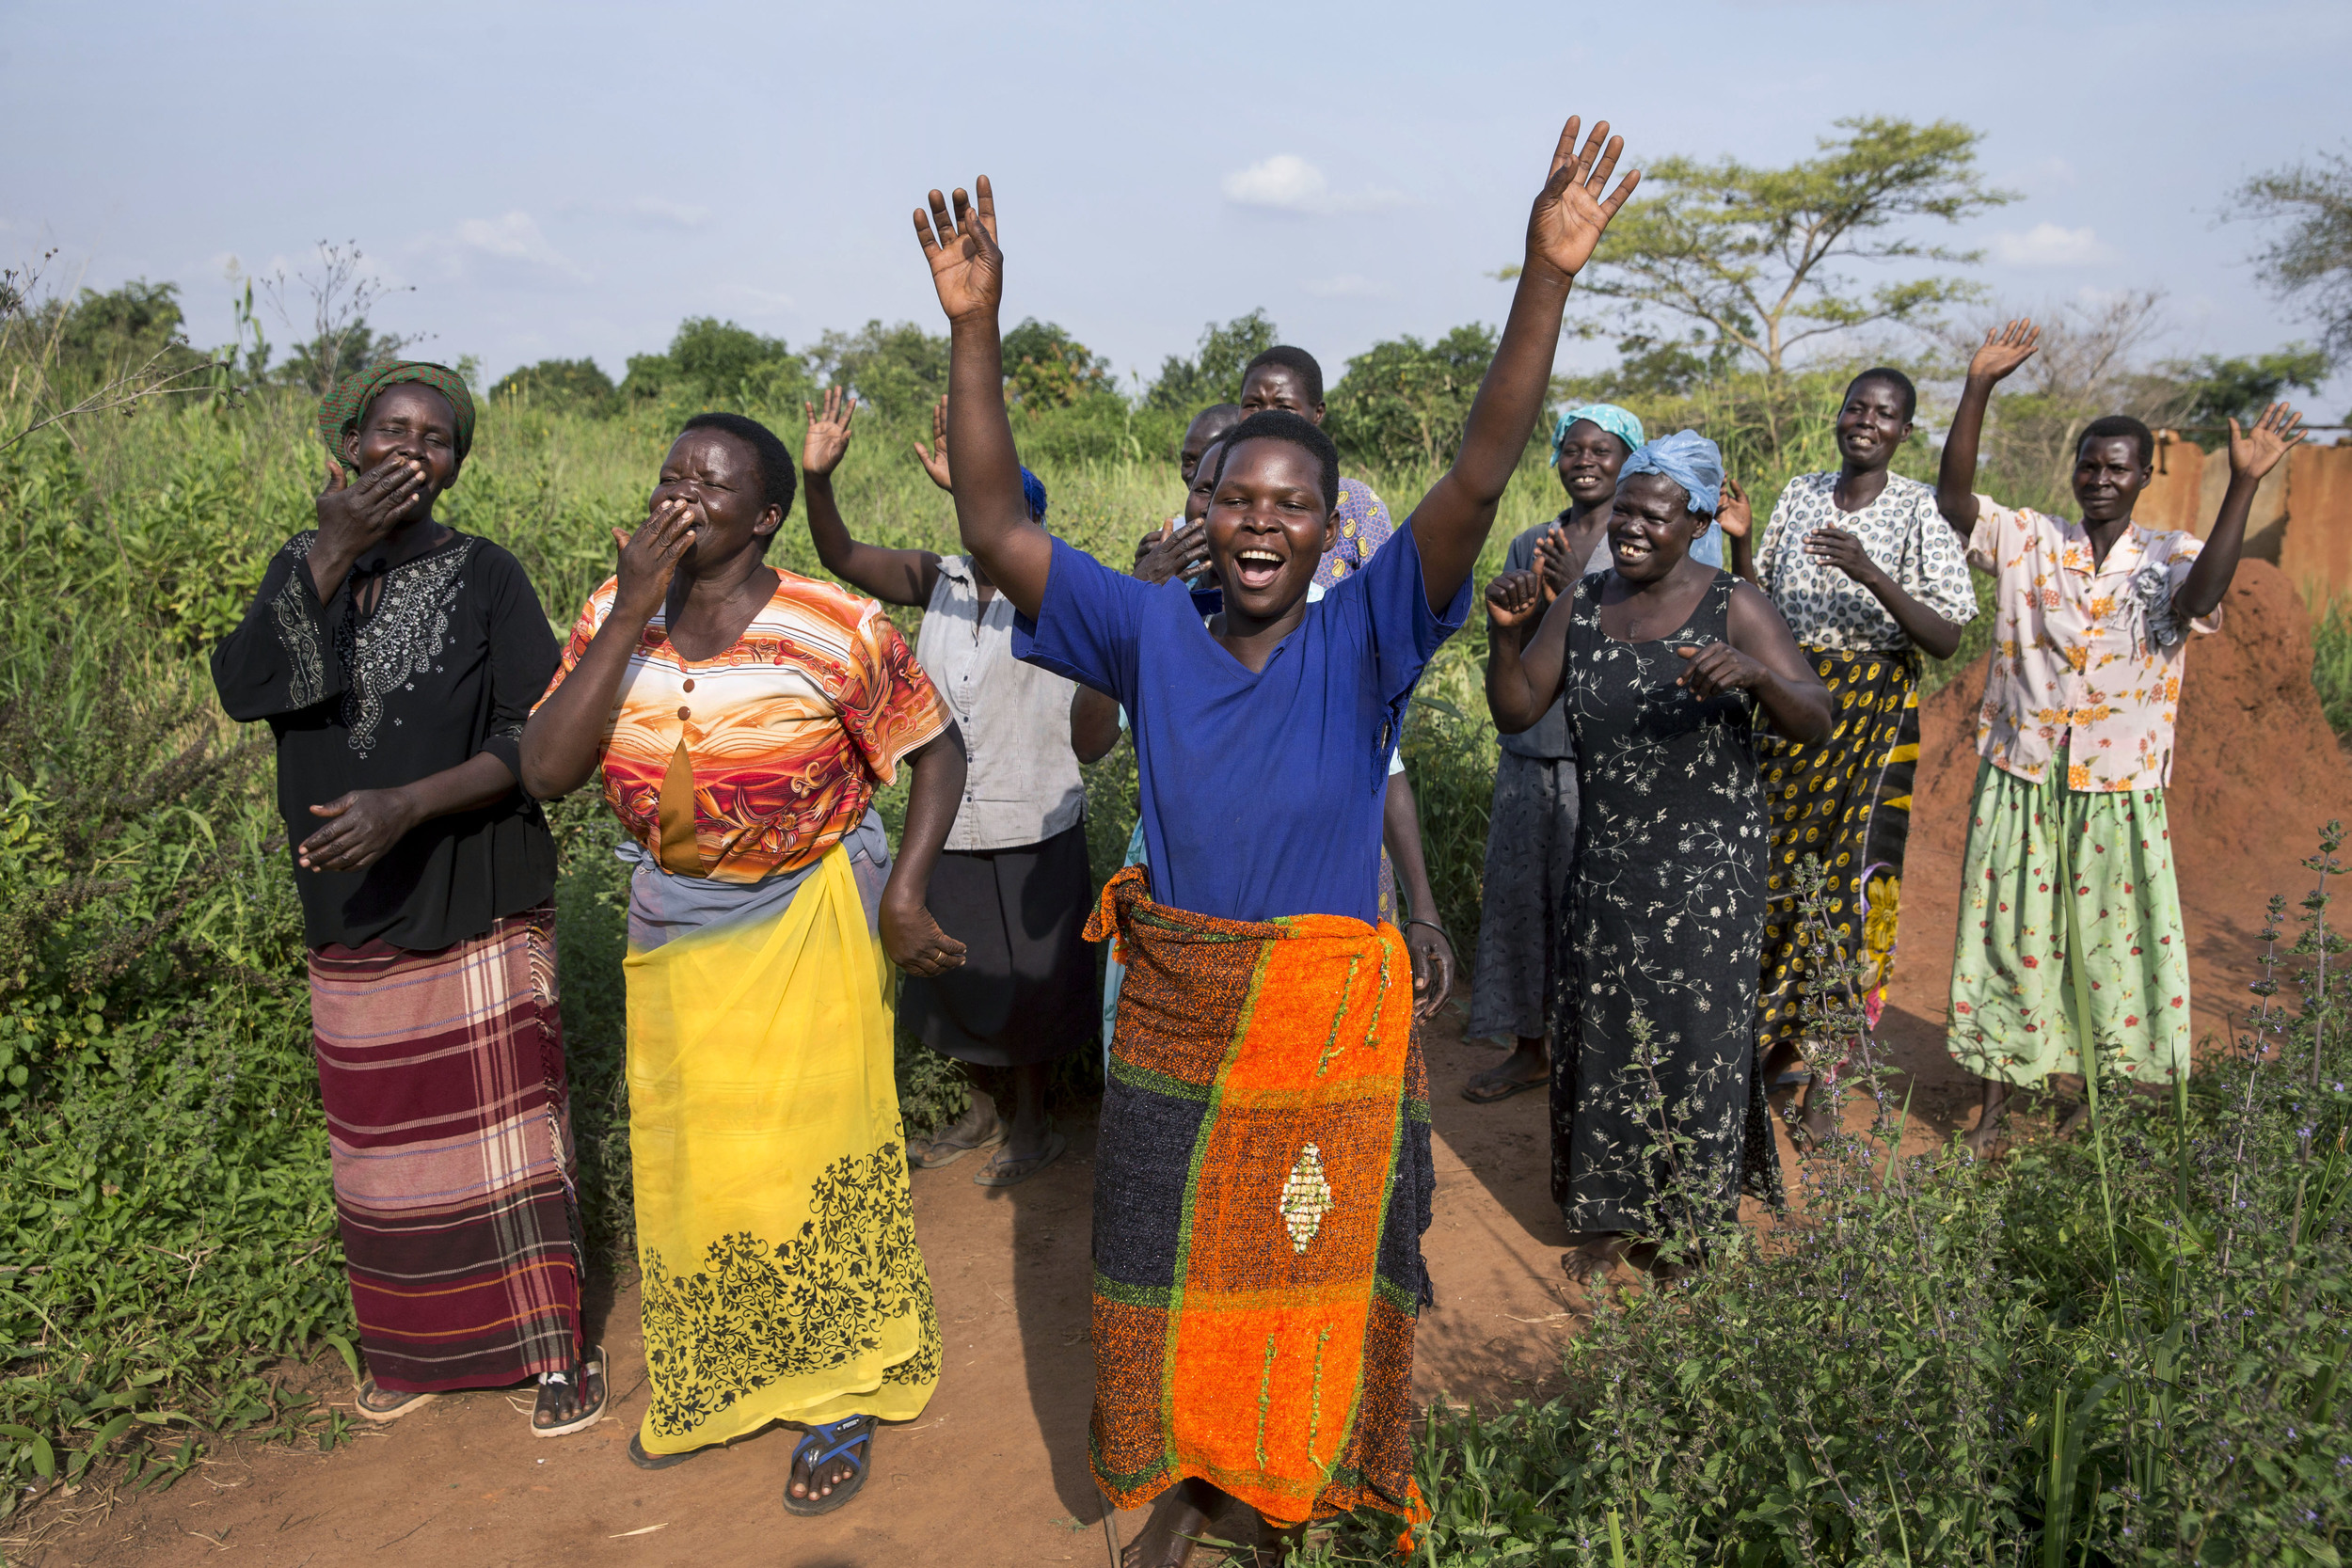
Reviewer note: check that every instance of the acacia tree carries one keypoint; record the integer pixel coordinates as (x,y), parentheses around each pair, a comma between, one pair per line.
(2313,258)
(1755,257)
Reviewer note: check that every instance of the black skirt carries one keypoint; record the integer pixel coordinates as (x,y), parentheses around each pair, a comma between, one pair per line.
(1026,991)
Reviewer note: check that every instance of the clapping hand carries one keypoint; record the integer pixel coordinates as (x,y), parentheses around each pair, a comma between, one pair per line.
(2004,350)
(934,457)
(1576,204)
(828,432)
(1733,513)
(1718,668)
(1514,598)
(1171,551)
(1835,547)
(2257,451)
(967,268)
(1552,562)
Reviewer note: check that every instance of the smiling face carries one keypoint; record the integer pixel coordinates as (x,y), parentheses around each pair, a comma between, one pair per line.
(1268,526)
(718,477)
(1651,527)
(2109,478)
(1278,386)
(1588,463)
(411,422)
(1872,426)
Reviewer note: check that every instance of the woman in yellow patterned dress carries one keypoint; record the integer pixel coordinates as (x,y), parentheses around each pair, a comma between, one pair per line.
(742,718)
(1868,576)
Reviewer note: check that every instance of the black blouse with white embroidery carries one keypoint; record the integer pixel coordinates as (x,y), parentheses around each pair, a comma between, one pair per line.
(445,666)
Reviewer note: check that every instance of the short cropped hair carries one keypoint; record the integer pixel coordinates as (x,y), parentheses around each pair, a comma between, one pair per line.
(1293,359)
(1219,416)
(776,476)
(2112,425)
(1893,378)
(1280,424)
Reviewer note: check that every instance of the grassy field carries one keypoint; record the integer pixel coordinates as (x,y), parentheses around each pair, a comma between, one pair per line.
(2121,1352)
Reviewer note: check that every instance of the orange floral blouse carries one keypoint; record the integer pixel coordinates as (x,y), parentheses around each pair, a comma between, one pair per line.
(761,759)
(2083,652)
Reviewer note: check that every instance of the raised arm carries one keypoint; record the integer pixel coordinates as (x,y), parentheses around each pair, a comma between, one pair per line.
(1523,668)
(1450,524)
(893,576)
(2001,353)
(1738,520)
(968,270)
(2252,454)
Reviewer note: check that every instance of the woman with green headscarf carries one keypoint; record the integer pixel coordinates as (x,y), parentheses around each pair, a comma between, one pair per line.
(395,660)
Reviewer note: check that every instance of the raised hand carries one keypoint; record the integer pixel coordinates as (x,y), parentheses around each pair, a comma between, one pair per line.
(2258,451)
(827,439)
(1834,546)
(1552,562)
(1170,551)
(354,516)
(914,942)
(363,826)
(2004,349)
(1576,204)
(1515,598)
(1733,514)
(967,269)
(934,457)
(649,559)
(1718,668)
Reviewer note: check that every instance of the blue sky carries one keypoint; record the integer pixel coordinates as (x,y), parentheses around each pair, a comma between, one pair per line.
(573,180)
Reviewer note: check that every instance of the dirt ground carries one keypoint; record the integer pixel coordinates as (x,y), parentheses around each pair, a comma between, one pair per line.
(995,1471)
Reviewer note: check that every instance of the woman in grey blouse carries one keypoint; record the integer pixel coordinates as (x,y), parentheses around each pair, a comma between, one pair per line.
(1011,881)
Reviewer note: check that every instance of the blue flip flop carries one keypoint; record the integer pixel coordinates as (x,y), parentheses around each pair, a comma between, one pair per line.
(835,1441)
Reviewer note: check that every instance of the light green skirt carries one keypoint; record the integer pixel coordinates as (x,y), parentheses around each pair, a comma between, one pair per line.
(2053,878)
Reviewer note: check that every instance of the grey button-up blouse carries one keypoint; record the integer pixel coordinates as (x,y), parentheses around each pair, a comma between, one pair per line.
(1020,780)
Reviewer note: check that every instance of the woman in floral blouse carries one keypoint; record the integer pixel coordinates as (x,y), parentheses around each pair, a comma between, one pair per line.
(2092,624)
(1867,577)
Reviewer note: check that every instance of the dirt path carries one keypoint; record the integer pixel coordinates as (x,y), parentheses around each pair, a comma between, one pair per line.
(995,1471)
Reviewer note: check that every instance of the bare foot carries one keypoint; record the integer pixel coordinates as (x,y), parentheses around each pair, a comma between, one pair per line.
(1591,1254)
(1988,1129)
(2074,1119)
(1178,1519)
(1813,1117)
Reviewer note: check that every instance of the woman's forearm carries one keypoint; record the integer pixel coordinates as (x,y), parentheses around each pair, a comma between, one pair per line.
(893,576)
(1799,712)
(480,780)
(561,740)
(1956,476)
(1743,556)
(2217,564)
(1400,816)
(1935,636)
(933,796)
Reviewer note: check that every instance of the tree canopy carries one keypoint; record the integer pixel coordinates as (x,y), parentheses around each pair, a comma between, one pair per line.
(2313,260)
(1213,374)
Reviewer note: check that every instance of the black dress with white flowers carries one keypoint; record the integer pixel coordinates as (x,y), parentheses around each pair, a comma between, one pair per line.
(1657,1136)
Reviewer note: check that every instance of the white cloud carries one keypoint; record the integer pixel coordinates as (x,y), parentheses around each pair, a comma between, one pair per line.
(1287,182)
(655,211)
(1349,285)
(513,240)
(2047,245)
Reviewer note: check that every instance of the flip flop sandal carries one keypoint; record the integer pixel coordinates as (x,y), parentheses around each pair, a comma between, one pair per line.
(939,1152)
(836,1441)
(1496,1091)
(389,1413)
(999,1171)
(643,1460)
(591,1372)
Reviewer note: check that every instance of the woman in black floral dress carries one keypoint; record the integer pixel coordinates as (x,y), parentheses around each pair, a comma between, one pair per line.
(1658,1121)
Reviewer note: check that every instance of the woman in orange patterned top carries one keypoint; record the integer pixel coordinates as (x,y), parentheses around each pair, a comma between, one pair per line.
(2069,927)
(742,718)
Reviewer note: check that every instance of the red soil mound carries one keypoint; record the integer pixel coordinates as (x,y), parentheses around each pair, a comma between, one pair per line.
(2256,772)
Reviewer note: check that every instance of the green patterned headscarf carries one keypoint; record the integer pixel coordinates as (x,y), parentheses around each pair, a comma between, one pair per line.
(340,410)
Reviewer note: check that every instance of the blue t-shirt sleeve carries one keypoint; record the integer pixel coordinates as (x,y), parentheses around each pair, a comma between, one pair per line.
(1390,603)
(1089,627)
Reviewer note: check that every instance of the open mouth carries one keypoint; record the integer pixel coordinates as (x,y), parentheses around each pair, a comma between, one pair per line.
(1629,548)
(1257,568)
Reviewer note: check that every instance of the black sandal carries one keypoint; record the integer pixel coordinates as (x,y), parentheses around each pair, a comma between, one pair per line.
(831,1442)
(643,1460)
(408,1402)
(591,1374)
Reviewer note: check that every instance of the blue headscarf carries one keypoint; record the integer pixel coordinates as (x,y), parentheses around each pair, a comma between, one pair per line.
(1694,462)
(1619,423)
(1033,492)
(1688,458)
